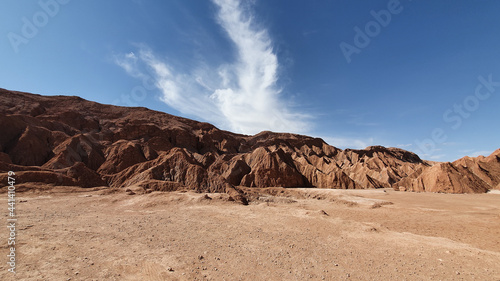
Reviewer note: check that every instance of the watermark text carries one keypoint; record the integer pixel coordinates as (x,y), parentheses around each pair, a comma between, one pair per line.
(11,221)
(32,25)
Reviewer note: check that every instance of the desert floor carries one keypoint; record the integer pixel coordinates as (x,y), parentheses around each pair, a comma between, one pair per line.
(302,234)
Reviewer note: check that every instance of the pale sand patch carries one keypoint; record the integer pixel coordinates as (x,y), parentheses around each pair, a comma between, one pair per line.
(304,234)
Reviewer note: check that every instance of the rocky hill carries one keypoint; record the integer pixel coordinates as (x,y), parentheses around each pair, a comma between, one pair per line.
(66,140)
(464,175)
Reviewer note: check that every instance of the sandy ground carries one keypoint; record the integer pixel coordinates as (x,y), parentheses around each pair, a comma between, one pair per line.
(303,234)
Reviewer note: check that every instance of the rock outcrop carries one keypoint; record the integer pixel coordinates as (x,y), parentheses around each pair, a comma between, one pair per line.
(465,175)
(64,140)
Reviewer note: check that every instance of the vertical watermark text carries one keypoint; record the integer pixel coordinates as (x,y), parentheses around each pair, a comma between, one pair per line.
(11,221)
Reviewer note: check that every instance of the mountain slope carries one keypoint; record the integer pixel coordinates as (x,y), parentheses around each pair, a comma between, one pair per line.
(465,175)
(65,140)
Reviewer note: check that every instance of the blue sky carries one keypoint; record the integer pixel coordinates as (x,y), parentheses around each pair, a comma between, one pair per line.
(419,75)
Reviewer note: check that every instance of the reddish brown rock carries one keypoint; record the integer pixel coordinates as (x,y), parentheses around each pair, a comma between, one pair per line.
(466,175)
(35,176)
(443,177)
(487,169)
(493,158)
(5,158)
(121,155)
(79,148)
(271,168)
(84,176)
(32,148)
(66,140)
(236,171)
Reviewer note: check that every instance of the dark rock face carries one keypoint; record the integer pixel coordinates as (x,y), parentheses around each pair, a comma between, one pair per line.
(64,140)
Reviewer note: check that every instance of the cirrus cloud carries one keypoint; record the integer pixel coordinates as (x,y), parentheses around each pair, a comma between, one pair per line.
(240,95)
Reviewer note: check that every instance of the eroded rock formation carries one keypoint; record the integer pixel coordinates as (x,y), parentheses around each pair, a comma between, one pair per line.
(64,140)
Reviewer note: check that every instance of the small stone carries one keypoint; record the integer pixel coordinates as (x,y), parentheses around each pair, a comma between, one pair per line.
(170,269)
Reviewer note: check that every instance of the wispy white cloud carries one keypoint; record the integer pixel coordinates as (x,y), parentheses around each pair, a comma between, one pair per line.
(404,145)
(129,63)
(437,157)
(481,152)
(241,95)
(354,143)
